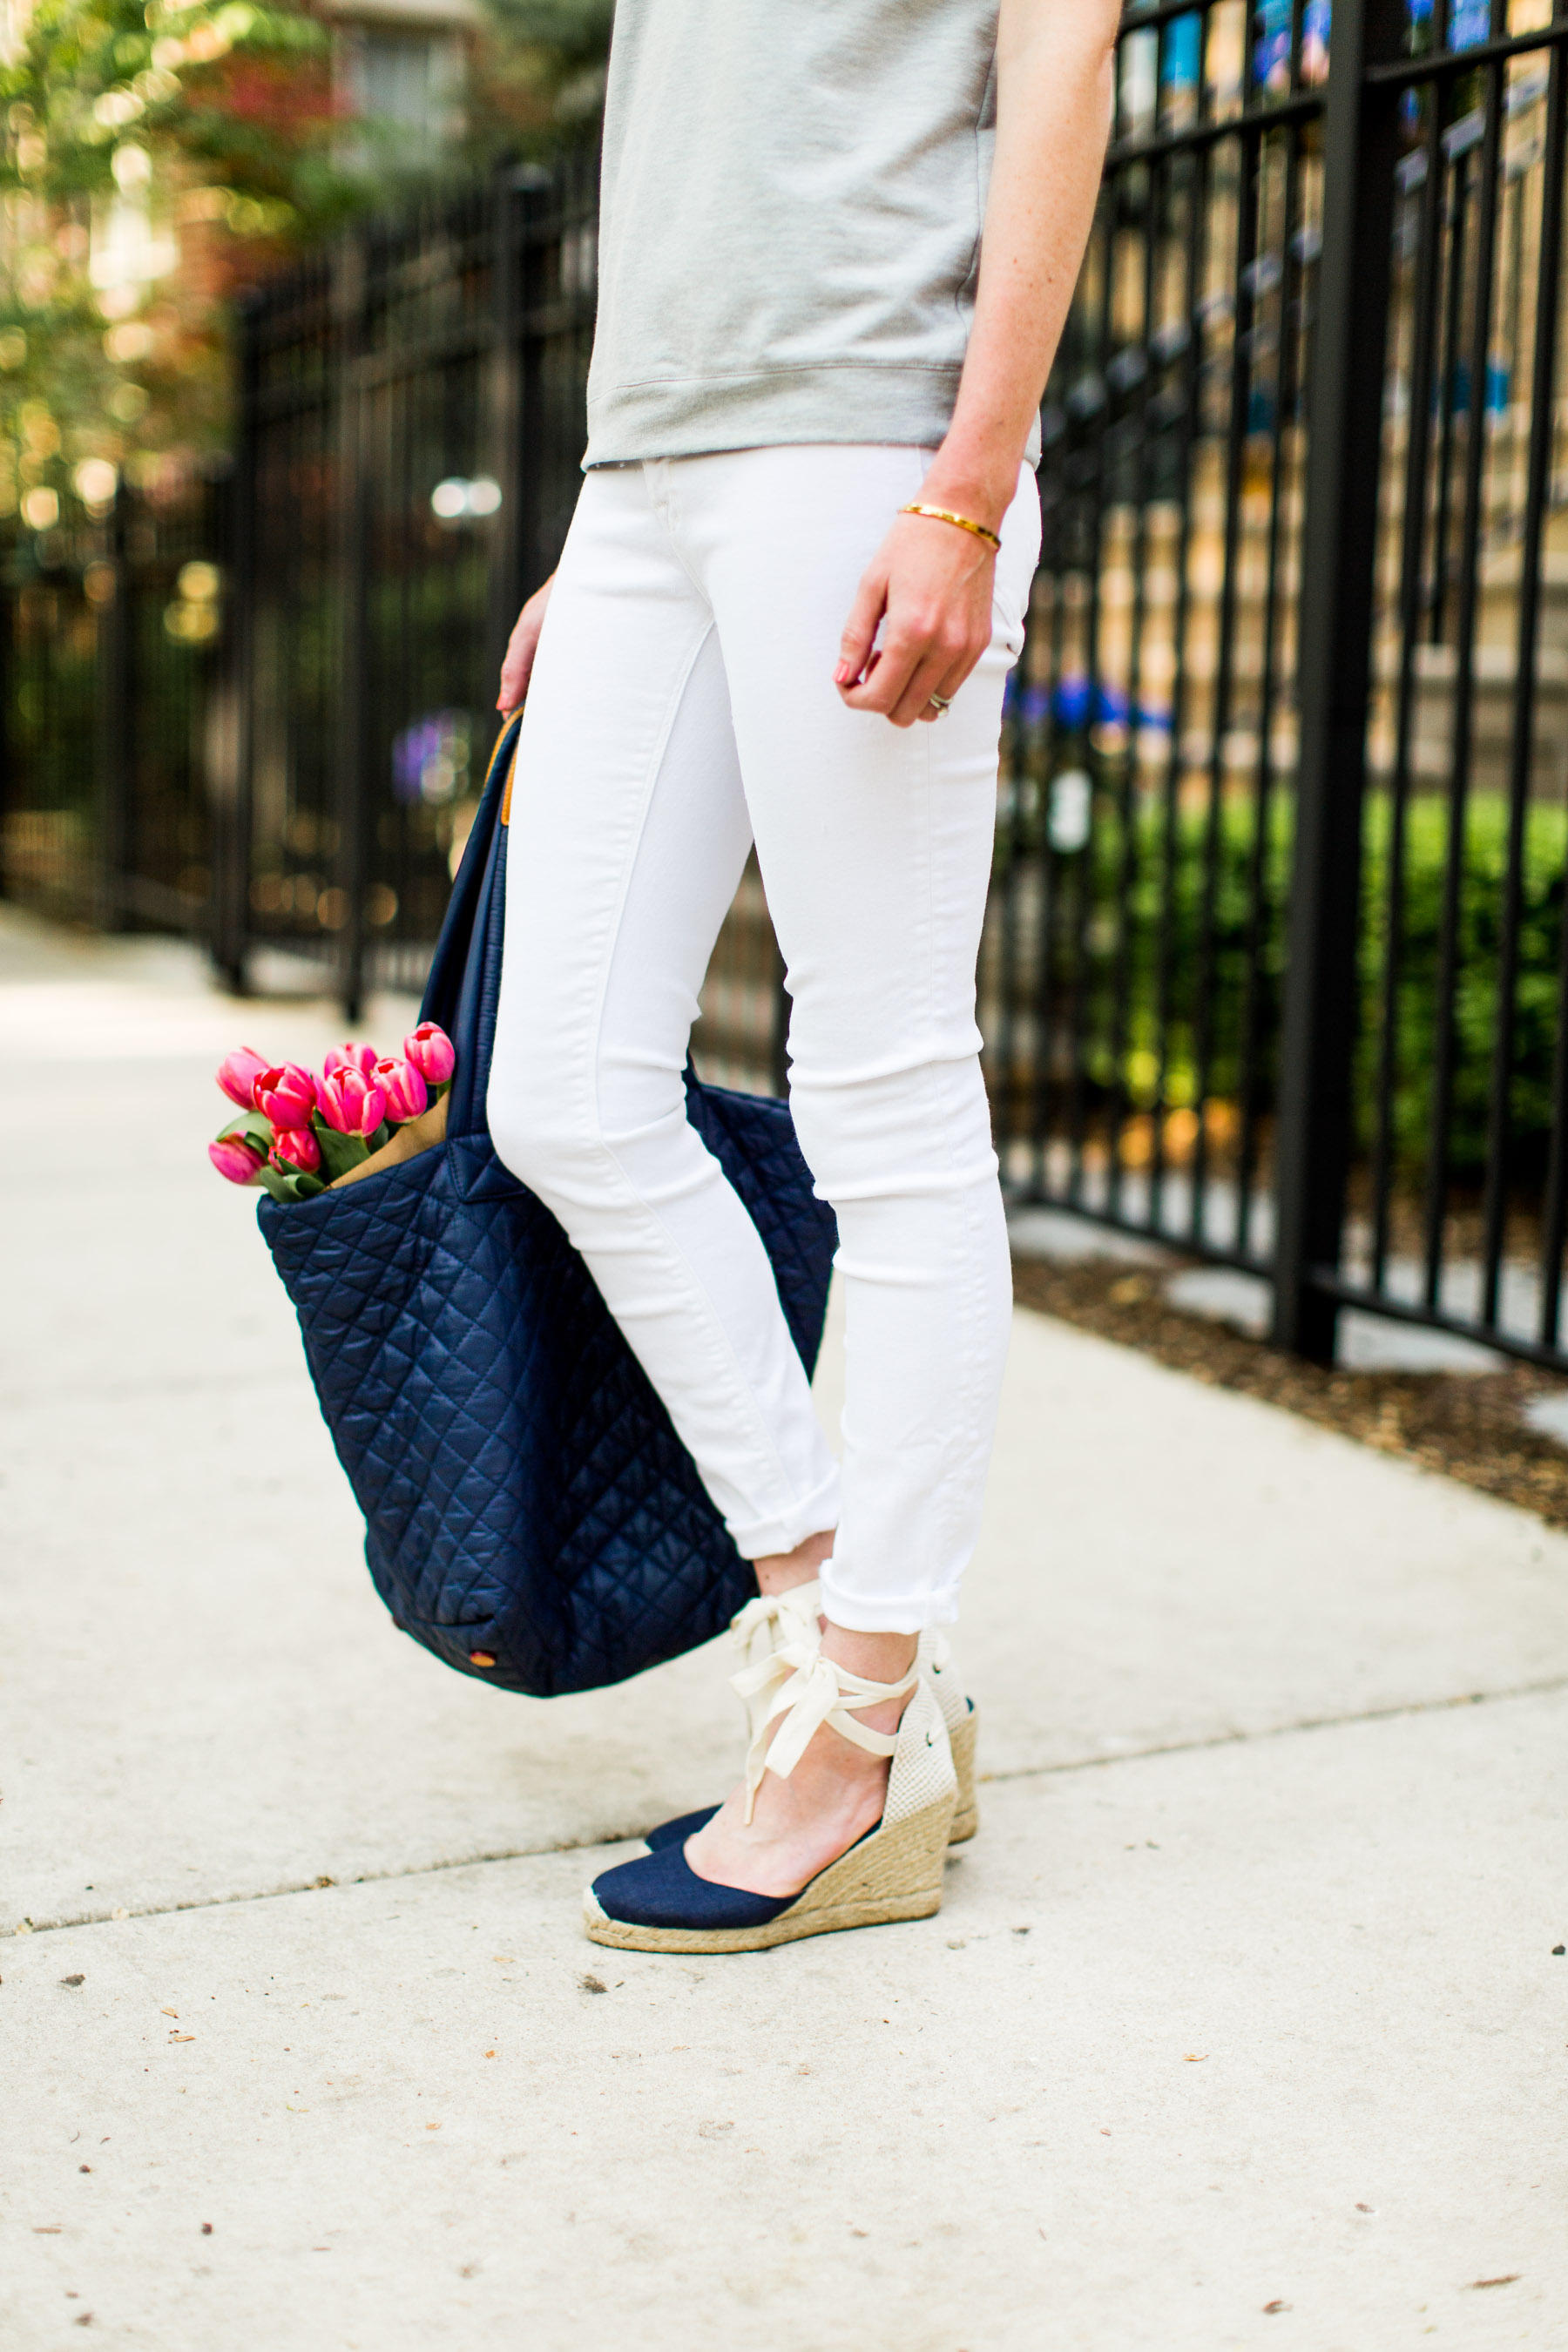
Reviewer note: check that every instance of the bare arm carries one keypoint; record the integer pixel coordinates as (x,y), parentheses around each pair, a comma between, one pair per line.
(928,583)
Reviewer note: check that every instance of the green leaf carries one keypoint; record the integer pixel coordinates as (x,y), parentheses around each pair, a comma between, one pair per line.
(341,1152)
(275,1183)
(255,1129)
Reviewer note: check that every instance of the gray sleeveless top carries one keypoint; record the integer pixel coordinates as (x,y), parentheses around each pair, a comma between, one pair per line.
(793,197)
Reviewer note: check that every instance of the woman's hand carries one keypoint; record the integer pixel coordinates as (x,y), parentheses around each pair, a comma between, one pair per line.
(521,645)
(929,590)
(929,586)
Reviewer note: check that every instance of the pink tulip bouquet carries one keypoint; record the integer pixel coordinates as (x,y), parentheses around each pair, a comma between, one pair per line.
(297,1133)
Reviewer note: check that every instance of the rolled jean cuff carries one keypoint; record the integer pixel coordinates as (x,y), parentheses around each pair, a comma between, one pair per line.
(912,1612)
(761,1539)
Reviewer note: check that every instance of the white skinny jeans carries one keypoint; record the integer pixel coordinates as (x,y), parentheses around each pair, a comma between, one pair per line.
(682,703)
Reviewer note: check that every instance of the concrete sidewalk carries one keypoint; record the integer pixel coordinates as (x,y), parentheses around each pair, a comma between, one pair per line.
(1241,2024)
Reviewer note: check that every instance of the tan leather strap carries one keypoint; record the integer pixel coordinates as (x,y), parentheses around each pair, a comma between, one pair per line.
(511,772)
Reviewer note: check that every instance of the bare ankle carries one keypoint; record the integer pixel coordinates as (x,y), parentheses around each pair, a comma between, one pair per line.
(780,1571)
(880,1658)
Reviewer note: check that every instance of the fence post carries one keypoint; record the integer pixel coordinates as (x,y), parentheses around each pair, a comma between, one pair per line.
(507,194)
(1339,553)
(538,200)
(229,779)
(350,293)
(116,721)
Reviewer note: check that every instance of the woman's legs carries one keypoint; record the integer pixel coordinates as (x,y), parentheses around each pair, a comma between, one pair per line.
(693,590)
(628,836)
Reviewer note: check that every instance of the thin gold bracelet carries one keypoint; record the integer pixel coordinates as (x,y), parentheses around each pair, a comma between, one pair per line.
(942,514)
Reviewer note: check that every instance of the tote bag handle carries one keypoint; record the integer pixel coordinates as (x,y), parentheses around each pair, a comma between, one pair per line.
(464,985)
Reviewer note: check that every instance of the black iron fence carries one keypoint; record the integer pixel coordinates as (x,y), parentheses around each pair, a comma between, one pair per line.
(1275,963)
(409,458)
(1137,932)
(410,432)
(259,709)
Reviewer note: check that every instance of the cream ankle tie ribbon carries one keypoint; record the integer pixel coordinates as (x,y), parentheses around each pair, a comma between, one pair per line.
(766,1624)
(808,1690)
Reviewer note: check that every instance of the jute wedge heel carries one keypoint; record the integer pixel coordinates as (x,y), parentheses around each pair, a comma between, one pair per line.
(764,1626)
(658,1904)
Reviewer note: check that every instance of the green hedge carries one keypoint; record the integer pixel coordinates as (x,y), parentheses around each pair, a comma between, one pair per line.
(1130,861)
(1475,1001)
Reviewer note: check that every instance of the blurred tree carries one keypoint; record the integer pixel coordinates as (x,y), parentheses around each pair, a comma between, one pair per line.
(152,154)
(156,156)
(541,74)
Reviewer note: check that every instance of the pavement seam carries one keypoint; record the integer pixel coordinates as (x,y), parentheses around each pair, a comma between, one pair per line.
(324,1884)
(1288,1730)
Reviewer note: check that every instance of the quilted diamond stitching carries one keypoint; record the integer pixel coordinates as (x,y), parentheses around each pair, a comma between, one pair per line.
(525,1491)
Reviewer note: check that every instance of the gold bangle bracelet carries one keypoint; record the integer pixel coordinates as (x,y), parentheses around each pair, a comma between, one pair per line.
(942,514)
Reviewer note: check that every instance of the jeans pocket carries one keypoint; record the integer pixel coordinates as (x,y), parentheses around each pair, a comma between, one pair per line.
(1006,621)
(1015,567)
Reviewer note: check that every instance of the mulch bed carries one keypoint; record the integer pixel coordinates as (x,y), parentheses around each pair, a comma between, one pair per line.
(1467,1425)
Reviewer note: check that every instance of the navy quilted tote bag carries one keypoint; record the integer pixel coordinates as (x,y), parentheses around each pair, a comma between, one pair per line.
(530,1515)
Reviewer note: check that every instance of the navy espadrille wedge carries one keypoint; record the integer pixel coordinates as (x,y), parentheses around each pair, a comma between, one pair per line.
(658,1904)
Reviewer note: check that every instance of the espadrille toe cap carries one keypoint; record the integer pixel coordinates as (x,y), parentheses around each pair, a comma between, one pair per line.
(662,1890)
